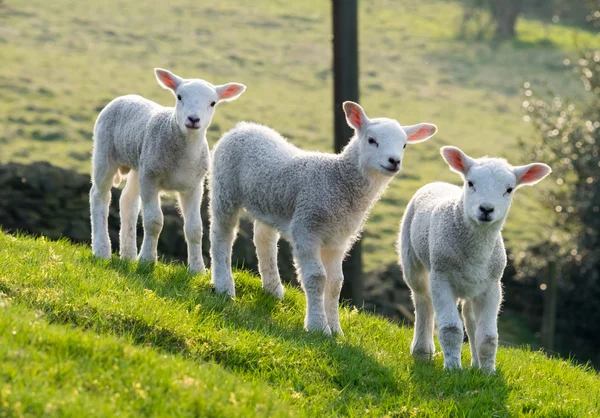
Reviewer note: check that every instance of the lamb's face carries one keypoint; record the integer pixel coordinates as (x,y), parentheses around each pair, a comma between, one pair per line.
(196,99)
(382,141)
(490,183)
(195,106)
(488,191)
(382,145)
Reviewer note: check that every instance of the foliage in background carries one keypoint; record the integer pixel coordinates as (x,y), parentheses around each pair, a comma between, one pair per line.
(498,18)
(569,141)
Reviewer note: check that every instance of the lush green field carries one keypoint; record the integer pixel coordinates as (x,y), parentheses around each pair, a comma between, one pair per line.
(107,338)
(63,60)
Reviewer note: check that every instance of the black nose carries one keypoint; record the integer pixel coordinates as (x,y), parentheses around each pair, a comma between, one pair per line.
(486,210)
(393,161)
(193,119)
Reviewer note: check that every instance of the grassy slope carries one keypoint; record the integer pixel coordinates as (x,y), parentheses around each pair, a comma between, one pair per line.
(64,60)
(80,335)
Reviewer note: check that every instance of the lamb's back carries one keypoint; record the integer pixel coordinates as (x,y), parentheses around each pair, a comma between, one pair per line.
(124,123)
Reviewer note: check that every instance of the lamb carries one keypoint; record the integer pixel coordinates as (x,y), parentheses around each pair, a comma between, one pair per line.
(450,248)
(316,201)
(159,149)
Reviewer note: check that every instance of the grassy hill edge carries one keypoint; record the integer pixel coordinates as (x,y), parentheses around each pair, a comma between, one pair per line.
(107,338)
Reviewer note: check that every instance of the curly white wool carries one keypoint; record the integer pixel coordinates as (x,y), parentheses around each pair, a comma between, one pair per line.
(317,201)
(159,148)
(451,249)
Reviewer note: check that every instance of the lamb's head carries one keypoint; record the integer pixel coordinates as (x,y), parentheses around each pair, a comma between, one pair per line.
(490,183)
(382,141)
(196,99)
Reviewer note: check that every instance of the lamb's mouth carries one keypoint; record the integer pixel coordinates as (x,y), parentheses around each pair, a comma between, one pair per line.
(392,170)
(194,126)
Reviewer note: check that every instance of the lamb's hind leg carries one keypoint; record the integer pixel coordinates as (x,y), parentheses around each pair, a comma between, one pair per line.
(332,260)
(471,326)
(190,206)
(129,205)
(422,346)
(152,219)
(223,229)
(265,240)
(102,177)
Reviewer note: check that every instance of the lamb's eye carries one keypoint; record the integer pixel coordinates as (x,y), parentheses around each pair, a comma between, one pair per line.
(509,190)
(213,104)
(178,97)
(470,184)
(373,142)
(404,146)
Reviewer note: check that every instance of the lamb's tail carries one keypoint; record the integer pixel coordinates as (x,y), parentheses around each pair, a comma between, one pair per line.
(120,174)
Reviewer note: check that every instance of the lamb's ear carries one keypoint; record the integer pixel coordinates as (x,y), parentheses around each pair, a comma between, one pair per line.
(421,132)
(230,91)
(355,115)
(457,160)
(167,79)
(528,175)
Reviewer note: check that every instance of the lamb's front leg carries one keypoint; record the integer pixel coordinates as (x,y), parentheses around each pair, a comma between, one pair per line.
(313,278)
(190,202)
(485,308)
(332,260)
(450,327)
(152,219)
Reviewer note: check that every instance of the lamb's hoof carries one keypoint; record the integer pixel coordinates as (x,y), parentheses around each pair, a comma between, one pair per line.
(130,256)
(423,355)
(197,269)
(452,364)
(278,292)
(228,290)
(148,258)
(102,254)
(336,330)
(488,368)
(318,326)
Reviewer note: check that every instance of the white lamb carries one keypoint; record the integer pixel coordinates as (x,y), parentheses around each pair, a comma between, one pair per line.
(317,201)
(162,148)
(451,249)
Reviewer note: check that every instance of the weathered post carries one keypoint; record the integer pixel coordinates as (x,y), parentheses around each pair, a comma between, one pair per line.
(345,82)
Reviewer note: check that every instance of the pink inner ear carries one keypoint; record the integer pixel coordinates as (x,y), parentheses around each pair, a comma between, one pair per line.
(355,117)
(533,174)
(167,80)
(228,92)
(455,161)
(421,133)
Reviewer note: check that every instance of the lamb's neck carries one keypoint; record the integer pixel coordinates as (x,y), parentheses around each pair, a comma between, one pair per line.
(190,137)
(482,236)
(361,183)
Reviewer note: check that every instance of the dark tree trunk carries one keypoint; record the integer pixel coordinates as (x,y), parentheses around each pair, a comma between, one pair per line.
(505,13)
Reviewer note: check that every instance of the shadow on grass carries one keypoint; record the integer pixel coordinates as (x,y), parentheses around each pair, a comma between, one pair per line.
(463,391)
(353,371)
(337,364)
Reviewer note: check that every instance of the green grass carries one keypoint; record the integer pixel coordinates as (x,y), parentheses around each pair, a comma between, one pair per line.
(108,338)
(63,60)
